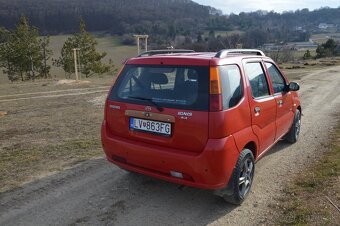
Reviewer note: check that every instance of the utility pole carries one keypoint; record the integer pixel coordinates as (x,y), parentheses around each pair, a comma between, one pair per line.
(145,37)
(75,62)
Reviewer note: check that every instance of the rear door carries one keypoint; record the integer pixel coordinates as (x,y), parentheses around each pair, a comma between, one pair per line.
(262,104)
(284,100)
(161,105)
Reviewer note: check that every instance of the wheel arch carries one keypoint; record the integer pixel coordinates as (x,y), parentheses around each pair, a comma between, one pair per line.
(252,147)
(247,139)
(299,108)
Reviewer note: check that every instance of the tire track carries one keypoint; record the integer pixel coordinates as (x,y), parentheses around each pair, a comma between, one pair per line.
(54,94)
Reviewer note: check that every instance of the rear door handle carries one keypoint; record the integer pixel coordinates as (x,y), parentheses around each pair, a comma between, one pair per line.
(257,110)
(280,102)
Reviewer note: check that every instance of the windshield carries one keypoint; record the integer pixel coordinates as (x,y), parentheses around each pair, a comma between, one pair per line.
(184,87)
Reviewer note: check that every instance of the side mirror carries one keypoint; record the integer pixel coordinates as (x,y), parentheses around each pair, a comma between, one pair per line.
(293,86)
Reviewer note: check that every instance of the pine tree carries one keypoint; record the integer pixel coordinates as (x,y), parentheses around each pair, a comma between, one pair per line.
(6,55)
(89,59)
(26,50)
(22,54)
(307,55)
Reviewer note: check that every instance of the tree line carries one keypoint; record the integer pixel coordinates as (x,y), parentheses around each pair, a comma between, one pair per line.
(163,20)
(25,55)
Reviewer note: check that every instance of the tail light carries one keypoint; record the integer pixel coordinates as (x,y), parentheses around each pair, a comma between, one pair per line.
(215,90)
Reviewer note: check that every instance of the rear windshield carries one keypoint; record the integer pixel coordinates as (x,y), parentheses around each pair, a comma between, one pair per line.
(182,87)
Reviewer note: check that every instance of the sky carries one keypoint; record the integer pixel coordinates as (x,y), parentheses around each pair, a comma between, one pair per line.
(237,6)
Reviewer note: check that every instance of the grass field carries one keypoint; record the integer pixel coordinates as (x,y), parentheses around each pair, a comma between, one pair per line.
(322,38)
(223,33)
(109,44)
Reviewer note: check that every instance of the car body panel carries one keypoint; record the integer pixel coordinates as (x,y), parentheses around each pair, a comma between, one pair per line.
(210,169)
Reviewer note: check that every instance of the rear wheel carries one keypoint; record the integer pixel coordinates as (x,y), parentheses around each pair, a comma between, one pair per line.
(242,178)
(293,134)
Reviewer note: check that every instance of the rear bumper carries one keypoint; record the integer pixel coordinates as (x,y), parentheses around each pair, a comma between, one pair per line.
(210,169)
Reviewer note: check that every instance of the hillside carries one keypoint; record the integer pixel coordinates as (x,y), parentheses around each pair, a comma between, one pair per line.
(180,23)
(115,16)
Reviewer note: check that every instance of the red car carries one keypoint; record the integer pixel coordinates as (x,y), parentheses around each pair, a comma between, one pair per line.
(199,119)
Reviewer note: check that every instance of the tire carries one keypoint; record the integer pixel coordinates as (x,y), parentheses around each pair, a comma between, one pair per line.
(293,134)
(242,178)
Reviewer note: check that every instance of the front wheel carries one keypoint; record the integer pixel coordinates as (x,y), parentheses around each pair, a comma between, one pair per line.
(242,178)
(293,134)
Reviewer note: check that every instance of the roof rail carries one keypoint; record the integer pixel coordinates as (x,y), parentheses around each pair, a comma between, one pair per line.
(225,52)
(165,51)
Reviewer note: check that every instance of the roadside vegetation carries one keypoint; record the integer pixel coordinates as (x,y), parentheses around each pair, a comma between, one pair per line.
(313,197)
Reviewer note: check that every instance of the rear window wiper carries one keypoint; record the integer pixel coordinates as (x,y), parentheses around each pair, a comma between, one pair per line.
(159,108)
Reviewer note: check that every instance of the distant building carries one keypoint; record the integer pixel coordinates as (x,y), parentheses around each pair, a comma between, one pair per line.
(325,26)
(298,28)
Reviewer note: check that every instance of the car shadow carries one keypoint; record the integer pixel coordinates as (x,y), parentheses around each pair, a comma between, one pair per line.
(147,201)
(279,146)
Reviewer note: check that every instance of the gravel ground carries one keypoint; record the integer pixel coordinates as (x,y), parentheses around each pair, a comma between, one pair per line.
(98,193)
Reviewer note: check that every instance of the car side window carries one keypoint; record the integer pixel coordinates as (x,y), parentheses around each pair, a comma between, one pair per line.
(278,82)
(257,78)
(231,83)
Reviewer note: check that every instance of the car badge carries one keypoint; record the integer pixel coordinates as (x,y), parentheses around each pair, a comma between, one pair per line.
(148,108)
(147,114)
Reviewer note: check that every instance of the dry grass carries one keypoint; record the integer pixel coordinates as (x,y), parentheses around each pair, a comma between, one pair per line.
(295,71)
(24,164)
(322,38)
(39,136)
(306,199)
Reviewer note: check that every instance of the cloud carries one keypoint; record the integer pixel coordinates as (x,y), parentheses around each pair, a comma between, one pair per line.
(237,6)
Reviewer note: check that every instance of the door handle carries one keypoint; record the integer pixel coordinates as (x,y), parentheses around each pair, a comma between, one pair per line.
(280,102)
(257,110)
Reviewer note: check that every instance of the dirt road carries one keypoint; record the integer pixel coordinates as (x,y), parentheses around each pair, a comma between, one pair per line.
(98,193)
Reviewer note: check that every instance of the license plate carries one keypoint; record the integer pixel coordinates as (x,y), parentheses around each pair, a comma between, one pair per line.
(162,128)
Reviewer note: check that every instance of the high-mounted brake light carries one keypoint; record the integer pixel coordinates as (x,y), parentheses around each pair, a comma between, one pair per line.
(215,90)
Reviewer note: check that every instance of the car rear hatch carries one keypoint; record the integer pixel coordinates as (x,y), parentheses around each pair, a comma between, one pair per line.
(161,104)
